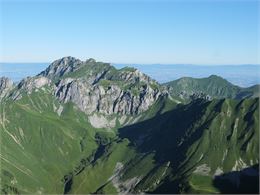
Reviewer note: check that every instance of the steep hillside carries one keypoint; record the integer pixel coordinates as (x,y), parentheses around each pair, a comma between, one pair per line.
(47,139)
(211,87)
(86,127)
(200,141)
(38,146)
(175,149)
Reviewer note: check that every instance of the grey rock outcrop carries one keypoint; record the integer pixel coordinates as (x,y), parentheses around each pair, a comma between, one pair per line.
(99,87)
(6,85)
(62,66)
(108,96)
(112,100)
(30,84)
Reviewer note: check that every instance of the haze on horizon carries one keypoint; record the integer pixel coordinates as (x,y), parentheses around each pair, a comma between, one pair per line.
(165,32)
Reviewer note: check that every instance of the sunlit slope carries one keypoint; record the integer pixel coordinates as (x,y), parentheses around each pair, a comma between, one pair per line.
(213,86)
(38,147)
(46,144)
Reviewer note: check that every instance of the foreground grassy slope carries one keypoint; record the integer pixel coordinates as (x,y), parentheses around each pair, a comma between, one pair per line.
(200,140)
(102,176)
(46,144)
(171,149)
(181,150)
(38,147)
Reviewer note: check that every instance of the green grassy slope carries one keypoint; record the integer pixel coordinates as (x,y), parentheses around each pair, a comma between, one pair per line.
(173,148)
(214,86)
(217,137)
(38,147)
(42,149)
(181,150)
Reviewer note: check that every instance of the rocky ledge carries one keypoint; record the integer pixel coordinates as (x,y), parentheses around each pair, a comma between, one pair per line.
(6,85)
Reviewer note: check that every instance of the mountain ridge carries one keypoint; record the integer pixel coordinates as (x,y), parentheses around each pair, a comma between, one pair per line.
(85,127)
(214,86)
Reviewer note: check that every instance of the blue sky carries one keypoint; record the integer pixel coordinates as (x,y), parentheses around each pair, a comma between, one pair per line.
(194,32)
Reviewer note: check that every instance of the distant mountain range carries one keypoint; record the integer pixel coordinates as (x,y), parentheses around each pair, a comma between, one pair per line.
(83,127)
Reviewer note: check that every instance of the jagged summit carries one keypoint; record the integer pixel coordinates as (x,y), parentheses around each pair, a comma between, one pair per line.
(74,68)
(99,87)
(61,66)
(66,60)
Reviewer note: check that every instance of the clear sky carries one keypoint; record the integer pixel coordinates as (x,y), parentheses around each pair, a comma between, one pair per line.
(195,32)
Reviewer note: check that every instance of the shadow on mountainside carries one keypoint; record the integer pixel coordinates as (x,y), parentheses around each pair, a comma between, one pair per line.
(245,181)
(168,136)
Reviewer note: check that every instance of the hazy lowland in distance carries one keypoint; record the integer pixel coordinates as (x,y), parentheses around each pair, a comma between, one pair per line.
(241,75)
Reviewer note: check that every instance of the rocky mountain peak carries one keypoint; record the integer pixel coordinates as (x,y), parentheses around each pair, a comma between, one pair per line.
(66,60)
(90,60)
(97,86)
(61,66)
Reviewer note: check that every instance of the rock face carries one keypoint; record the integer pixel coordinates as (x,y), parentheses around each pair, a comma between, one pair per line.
(61,67)
(100,121)
(113,99)
(6,85)
(29,84)
(95,86)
